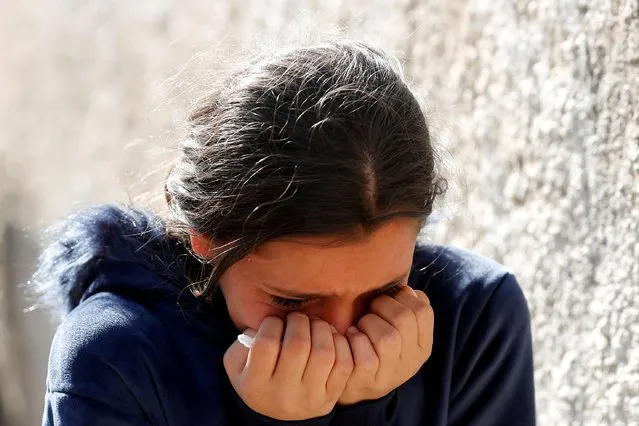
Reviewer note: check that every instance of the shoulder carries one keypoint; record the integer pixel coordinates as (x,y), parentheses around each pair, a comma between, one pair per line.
(105,338)
(457,266)
(466,284)
(482,344)
(106,364)
(120,357)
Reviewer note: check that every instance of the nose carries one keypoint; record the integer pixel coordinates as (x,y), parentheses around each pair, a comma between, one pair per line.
(344,314)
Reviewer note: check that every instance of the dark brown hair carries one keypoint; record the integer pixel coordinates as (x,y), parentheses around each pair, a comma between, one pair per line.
(319,140)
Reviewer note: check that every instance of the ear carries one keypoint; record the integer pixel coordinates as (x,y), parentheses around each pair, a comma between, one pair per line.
(201,245)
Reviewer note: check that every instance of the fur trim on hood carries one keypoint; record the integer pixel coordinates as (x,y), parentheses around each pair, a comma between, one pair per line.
(86,243)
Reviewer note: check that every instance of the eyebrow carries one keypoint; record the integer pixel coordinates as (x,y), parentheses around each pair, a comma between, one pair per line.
(313,296)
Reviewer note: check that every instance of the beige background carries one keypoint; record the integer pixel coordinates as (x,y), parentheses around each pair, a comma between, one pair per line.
(536,101)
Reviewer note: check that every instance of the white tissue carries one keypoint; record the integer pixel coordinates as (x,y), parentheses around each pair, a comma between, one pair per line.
(245,340)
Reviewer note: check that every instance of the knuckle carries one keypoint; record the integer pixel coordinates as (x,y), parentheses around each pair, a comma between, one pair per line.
(403,317)
(366,320)
(390,339)
(425,312)
(267,342)
(423,308)
(299,345)
(360,339)
(369,364)
(344,366)
(323,352)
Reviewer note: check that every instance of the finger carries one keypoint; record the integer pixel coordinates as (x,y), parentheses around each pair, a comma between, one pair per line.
(385,338)
(421,295)
(398,314)
(262,357)
(409,297)
(236,356)
(296,349)
(322,356)
(342,367)
(425,322)
(366,361)
(424,314)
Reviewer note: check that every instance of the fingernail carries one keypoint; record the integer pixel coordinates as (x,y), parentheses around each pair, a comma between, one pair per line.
(352,330)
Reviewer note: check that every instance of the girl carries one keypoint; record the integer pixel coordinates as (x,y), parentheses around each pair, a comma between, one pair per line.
(295,209)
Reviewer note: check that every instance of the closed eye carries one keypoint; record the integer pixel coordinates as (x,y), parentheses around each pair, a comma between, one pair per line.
(390,291)
(287,303)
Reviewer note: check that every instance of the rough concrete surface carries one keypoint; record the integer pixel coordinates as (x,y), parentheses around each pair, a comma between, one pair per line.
(537,103)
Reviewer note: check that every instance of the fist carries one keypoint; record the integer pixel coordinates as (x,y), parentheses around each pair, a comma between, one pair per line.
(295,369)
(389,345)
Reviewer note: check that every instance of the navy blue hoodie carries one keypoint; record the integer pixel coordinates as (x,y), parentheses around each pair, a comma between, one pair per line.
(136,348)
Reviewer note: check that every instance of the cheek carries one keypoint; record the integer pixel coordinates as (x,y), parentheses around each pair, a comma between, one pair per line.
(249,316)
(247,308)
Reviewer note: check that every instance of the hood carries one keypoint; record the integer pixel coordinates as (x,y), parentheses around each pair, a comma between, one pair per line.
(108,248)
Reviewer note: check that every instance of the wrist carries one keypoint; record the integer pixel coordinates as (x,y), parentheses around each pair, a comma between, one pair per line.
(250,416)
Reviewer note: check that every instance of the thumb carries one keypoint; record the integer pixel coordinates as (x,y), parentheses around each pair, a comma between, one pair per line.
(236,356)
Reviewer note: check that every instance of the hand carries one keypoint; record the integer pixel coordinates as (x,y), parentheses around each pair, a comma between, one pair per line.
(389,346)
(295,379)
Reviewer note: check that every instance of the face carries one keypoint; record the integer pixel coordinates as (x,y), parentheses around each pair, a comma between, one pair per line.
(335,283)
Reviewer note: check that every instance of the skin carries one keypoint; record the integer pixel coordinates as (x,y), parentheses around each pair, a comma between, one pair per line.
(311,357)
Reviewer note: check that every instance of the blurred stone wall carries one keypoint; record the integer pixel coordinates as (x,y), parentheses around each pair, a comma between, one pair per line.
(536,101)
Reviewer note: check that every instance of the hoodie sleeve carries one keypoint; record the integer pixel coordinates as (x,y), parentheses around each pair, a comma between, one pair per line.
(97,373)
(493,373)
(62,408)
(369,413)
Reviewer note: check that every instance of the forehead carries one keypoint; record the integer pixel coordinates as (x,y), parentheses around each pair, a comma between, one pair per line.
(318,263)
